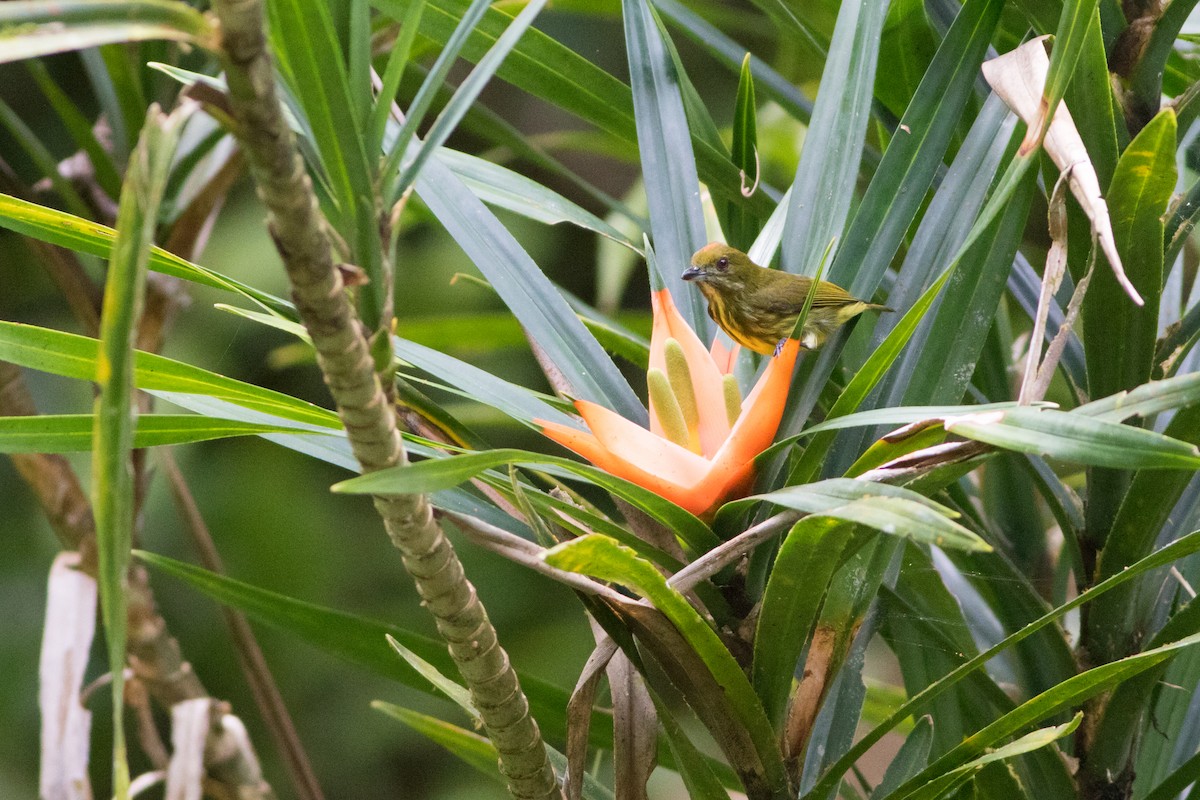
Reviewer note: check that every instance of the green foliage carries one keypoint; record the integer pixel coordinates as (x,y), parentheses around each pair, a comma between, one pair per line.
(914,498)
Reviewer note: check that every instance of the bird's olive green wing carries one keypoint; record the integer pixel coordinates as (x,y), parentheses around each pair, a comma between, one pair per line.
(830,295)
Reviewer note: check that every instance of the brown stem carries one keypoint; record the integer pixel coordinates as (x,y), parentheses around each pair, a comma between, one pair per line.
(80,291)
(304,242)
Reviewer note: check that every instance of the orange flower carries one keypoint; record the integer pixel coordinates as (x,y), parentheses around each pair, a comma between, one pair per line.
(703,438)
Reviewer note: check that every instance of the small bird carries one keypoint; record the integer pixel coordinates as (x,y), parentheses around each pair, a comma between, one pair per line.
(759,307)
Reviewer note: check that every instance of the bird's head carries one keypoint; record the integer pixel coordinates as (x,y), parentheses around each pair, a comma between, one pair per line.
(719,266)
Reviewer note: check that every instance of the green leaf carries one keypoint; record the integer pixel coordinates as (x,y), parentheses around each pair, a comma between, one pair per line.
(472,749)
(84,236)
(441,473)
(72,433)
(1119,337)
(547,69)
(397,62)
(478,751)
(32,28)
(510,190)
(361,641)
(1146,400)
(906,415)
(899,513)
(1180,548)
(112,490)
(1071,437)
(527,291)
(75,356)
(819,497)
(434,80)
(668,164)
(311,57)
(456,692)
(604,558)
(741,228)
(795,589)
(915,154)
(464,97)
(940,783)
(826,177)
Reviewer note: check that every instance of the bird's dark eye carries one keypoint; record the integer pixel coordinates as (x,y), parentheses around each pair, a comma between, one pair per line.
(722,263)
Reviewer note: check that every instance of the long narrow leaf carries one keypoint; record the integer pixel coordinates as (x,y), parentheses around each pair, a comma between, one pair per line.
(112,444)
(1176,550)
(72,433)
(527,291)
(76,356)
(464,97)
(668,166)
(434,474)
(826,177)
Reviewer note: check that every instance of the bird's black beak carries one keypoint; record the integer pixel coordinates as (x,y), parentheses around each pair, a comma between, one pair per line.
(691,273)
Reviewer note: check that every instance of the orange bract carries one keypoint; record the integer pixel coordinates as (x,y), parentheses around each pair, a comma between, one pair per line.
(722,468)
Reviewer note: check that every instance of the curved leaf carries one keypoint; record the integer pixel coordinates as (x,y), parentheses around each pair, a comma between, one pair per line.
(32,28)
(72,433)
(84,236)
(1071,437)
(74,356)
(602,557)
(441,473)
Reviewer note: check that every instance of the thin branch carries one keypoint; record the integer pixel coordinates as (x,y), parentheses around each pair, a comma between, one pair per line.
(725,554)
(303,239)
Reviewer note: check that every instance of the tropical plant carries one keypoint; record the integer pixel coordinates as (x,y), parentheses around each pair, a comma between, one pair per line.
(996,481)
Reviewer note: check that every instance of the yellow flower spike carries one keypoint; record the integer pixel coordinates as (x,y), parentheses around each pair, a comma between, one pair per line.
(733,398)
(680,377)
(666,407)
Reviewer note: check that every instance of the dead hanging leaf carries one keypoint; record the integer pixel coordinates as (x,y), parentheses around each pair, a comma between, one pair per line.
(1052,277)
(191,721)
(579,711)
(1019,77)
(635,729)
(66,642)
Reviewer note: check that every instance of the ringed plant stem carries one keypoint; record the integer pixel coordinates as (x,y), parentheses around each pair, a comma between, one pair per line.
(300,234)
